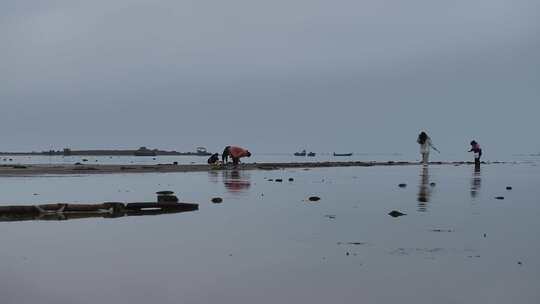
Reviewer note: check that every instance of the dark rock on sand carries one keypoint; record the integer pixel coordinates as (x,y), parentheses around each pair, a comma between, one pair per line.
(395,213)
(314,198)
(167,199)
(499,197)
(508,188)
(432,184)
(217,200)
(279,180)
(291,179)
(402,185)
(165,192)
(442,230)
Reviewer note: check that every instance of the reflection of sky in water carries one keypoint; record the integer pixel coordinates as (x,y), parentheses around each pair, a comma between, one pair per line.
(269,245)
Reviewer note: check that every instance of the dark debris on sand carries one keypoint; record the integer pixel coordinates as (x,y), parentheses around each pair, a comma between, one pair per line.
(442,230)
(395,213)
(217,200)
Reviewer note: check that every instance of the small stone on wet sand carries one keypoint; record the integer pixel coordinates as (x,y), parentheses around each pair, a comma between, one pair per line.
(314,198)
(499,197)
(402,185)
(442,230)
(217,200)
(395,213)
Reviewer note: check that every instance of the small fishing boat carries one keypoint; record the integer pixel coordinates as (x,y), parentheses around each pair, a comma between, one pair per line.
(303,153)
(311,154)
(342,154)
(201,151)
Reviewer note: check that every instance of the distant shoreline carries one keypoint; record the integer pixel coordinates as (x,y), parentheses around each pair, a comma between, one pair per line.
(83,169)
(143,151)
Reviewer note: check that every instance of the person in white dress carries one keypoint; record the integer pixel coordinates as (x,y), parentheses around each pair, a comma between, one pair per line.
(425,146)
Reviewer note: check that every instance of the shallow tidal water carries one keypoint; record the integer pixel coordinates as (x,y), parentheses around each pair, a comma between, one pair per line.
(266,243)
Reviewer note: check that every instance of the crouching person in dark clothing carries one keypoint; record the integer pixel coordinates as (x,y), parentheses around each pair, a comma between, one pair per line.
(214,159)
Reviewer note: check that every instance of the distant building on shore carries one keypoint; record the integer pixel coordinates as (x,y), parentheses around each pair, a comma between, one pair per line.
(143,151)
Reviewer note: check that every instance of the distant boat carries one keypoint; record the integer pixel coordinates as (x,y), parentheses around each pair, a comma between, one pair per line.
(342,154)
(311,154)
(303,153)
(202,151)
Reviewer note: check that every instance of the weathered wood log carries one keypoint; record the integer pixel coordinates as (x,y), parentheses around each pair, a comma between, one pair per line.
(57,212)
(19,209)
(173,206)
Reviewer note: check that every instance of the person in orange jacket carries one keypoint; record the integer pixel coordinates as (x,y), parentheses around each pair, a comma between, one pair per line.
(235,153)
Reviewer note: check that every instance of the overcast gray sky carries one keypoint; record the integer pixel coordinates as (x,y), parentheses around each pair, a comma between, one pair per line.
(274,76)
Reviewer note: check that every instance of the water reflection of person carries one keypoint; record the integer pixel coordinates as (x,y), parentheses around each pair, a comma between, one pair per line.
(236,181)
(424,191)
(476,181)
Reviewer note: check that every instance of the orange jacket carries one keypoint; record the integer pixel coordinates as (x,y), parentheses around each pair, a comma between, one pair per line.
(238,152)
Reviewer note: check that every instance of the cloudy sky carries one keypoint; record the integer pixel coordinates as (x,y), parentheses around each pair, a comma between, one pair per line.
(274,76)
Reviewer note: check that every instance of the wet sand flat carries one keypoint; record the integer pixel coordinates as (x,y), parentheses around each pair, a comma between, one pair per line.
(56,169)
(266,242)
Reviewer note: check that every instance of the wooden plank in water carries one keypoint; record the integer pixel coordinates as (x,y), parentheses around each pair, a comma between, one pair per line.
(175,206)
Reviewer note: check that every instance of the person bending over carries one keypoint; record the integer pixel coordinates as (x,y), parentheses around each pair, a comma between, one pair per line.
(475,147)
(425,145)
(235,153)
